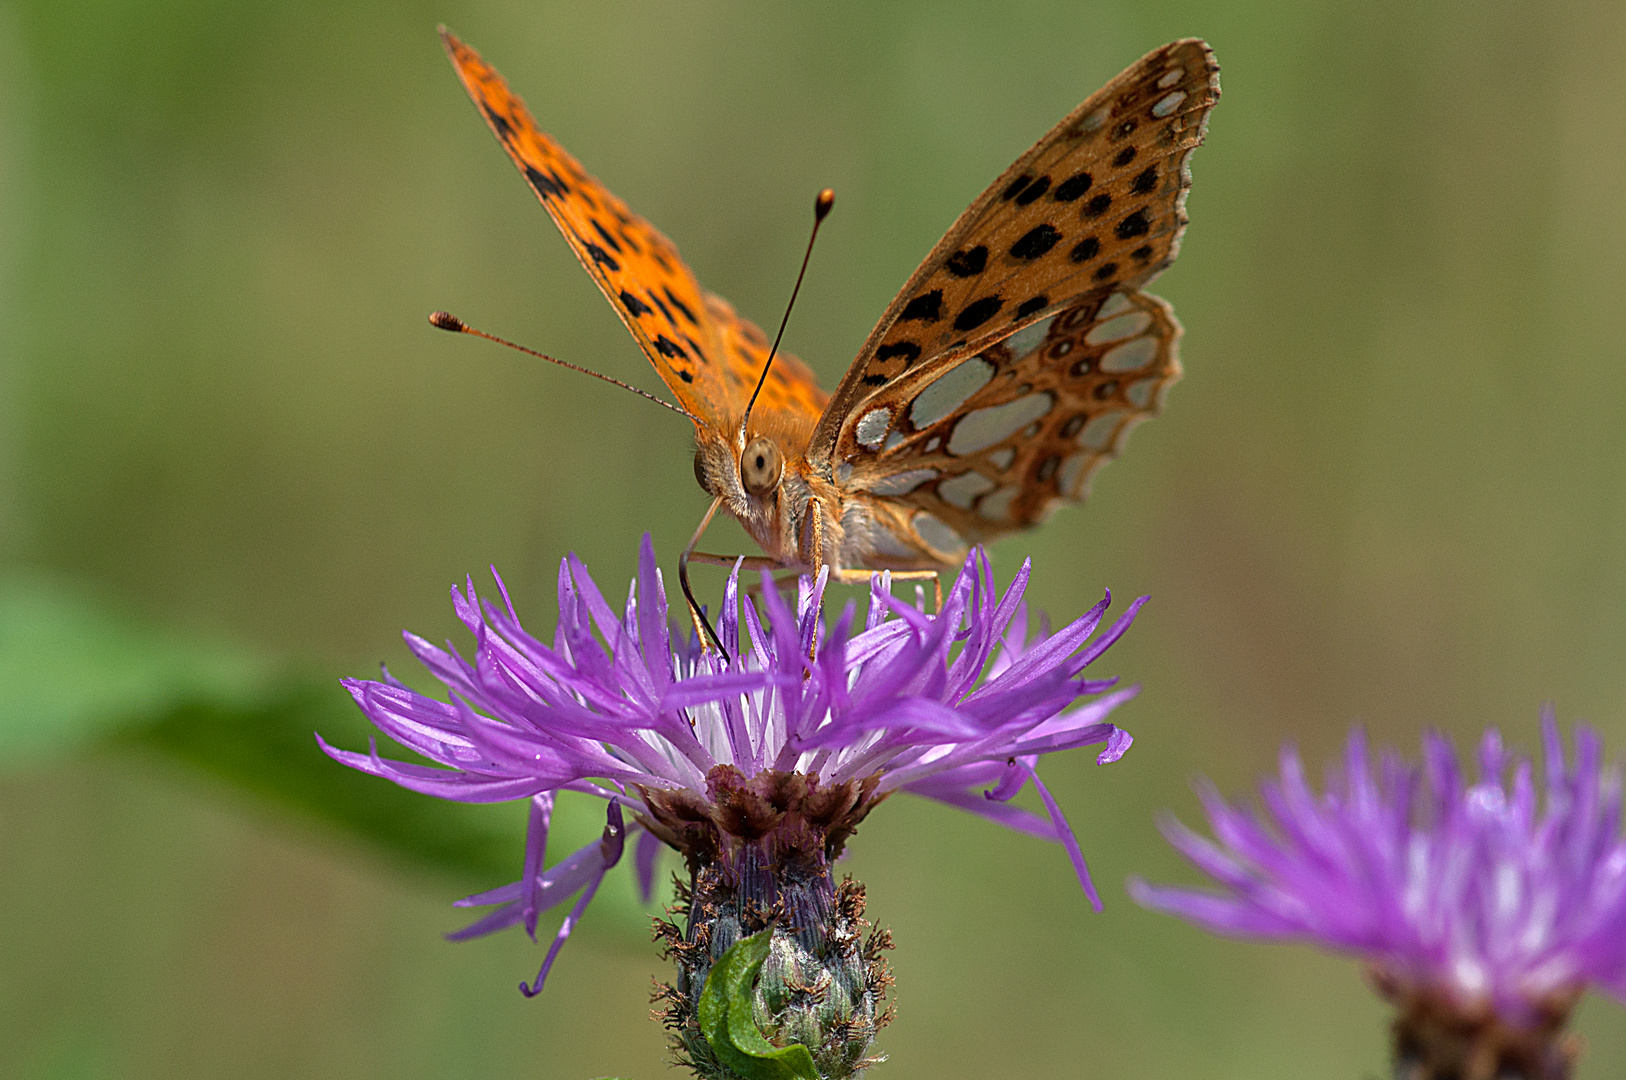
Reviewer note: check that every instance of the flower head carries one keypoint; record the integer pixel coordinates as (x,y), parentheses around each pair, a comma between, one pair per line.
(783,748)
(1484,907)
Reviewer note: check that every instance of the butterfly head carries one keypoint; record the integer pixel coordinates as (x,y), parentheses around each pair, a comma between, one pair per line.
(755,474)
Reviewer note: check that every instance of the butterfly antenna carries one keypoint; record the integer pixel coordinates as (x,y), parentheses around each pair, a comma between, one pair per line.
(821,209)
(445,320)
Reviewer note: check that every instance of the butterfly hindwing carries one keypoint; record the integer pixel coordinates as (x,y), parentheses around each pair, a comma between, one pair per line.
(638,269)
(998,441)
(1096,206)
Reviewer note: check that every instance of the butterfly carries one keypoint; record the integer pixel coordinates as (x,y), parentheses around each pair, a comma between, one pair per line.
(1011,366)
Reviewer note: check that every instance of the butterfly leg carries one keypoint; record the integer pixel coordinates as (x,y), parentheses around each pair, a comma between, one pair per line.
(752,585)
(747,562)
(862,577)
(789,581)
(859,576)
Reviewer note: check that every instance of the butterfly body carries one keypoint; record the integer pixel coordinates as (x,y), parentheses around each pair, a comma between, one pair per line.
(1009,368)
(778,512)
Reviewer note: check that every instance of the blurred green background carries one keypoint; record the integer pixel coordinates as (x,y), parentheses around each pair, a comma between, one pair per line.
(235,462)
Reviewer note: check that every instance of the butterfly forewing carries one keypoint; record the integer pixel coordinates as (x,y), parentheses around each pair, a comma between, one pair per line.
(637,268)
(995,443)
(1096,206)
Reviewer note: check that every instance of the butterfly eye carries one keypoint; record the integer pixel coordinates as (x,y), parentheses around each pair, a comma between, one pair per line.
(760,466)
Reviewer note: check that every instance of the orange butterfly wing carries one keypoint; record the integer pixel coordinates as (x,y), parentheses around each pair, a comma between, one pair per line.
(637,268)
(1096,206)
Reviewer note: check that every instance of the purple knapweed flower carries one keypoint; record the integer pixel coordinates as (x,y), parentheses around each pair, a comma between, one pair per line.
(756,769)
(1483,908)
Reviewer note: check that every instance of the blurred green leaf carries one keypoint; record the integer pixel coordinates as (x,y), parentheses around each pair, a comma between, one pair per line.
(76,672)
(73,668)
(267,748)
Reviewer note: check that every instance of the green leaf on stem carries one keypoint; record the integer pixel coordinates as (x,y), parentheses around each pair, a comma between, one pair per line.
(726,1018)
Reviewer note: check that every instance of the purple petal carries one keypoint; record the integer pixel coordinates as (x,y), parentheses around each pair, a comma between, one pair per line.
(1065,832)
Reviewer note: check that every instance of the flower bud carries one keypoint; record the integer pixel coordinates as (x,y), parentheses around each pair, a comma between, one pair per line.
(772,954)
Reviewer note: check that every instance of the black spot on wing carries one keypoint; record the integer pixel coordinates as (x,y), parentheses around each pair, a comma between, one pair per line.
(667,347)
(1032,192)
(1086,249)
(978,312)
(908,350)
(546,184)
(1143,252)
(1125,156)
(1123,130)
(666,312)
(1073,187)
(1145,182)
(1098,205)
(875,380)
(600,256)
(1035,242)
(500,122)
(1105,270)
(927,307)
(635,307)
(1134,225)
(683,309)
(1031,305)
(1016,187)
(615,245)
(964,264)
(686,376)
